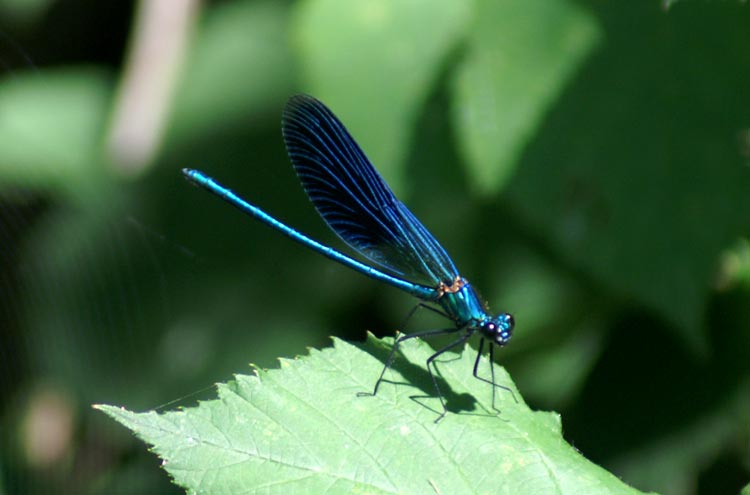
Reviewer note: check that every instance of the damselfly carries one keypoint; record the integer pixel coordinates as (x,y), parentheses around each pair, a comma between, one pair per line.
(360,207)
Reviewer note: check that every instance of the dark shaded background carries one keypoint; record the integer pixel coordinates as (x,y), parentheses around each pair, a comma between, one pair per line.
(615,229)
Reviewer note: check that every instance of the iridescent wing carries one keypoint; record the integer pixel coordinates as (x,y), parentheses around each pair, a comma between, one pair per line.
(355,201)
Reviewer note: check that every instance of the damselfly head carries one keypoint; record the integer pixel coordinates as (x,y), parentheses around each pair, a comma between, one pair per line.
(499,329)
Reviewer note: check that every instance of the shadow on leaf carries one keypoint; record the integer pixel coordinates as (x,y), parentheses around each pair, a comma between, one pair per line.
(418,376)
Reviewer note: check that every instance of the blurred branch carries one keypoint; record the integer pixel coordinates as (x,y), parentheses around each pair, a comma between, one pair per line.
(161,33)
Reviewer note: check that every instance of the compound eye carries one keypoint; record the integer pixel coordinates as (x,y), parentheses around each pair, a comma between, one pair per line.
(509,320)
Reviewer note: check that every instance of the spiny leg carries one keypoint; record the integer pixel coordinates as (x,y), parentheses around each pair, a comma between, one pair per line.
(392,354)
(430,361)
(492,373)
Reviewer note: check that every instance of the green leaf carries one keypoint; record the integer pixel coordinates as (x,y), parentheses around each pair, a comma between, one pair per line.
(51,127)
(374,63)
(302,429)
(240,63)
(735,266)
(558,373)
(24,12)
(671,462)
(746,490)
(637,190)
(521,55)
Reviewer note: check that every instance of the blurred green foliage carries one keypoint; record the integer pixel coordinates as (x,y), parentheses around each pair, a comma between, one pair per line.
(586,164)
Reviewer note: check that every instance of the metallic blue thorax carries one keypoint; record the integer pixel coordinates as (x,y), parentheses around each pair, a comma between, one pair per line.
(463,304)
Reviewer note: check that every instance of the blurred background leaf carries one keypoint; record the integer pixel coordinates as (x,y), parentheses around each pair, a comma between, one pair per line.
(600,194)
(24,12)
(67,108)
(586,164)
(376,62)
(518,59)
(246,44)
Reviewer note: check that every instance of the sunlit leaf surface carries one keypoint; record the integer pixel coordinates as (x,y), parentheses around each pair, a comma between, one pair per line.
(303,429)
